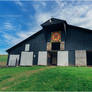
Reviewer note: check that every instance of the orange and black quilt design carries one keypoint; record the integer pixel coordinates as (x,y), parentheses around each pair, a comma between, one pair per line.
(55,37)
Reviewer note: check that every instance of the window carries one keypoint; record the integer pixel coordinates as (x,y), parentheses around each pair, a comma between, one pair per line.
(27,47)
(56,46)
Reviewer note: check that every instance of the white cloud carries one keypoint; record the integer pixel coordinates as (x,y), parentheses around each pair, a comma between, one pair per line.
(21,4)
(43,4)
(18,2)
(79,14)
(10,39)
(42,17)
(39,5)
(60,3)
(8,26)
(25,34)
(13,40)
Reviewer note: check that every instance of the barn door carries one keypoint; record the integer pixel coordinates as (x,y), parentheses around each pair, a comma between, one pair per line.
(89,58)
(13,60)
(80,58)
(42,58)
(26,59)
(62,59)
(52,58)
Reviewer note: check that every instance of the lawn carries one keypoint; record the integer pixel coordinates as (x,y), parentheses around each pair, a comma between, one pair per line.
(46,78)
(3,60)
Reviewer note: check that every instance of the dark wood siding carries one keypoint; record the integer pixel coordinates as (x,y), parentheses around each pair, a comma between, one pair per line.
(38,43)
(78,39)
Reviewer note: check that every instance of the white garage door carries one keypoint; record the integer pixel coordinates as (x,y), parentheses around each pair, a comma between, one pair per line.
(62,58)
(13,60)
(80,58)
(42,58)
(26,59)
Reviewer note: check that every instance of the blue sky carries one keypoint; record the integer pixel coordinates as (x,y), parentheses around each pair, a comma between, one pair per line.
(19,18)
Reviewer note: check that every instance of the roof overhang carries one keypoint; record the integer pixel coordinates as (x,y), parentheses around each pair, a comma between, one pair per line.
(53,21)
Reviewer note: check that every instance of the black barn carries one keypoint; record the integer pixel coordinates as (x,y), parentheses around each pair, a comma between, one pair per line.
(57,43)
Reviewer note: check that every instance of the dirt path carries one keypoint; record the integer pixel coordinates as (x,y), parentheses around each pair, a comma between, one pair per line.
(26,74)
(38,70)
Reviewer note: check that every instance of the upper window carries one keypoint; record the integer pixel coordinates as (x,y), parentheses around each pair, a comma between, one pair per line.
(56,46)
(27,47)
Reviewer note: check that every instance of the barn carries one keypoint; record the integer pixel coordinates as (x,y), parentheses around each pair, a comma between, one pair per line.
(57,43)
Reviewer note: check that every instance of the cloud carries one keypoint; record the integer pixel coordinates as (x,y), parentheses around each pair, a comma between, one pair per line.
(8,26)
(43,3)
(77,13)
(12,40)
(25,34)
(18,2)
(42,17)
(60,3)
(38,5)
(21,4)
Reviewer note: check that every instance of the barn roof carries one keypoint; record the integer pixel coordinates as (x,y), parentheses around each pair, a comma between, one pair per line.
(30,37)
(47,23)
(53,21)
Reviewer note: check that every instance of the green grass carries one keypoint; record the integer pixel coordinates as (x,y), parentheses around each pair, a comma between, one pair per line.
(46,78)
(3,59)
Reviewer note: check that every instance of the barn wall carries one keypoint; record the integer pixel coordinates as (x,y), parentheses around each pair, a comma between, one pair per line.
(78,39)
(8,59)
(18,49)
(38,43)
(71,57)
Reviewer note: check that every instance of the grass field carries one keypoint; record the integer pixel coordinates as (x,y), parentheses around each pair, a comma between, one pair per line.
(3,60)
(46,78)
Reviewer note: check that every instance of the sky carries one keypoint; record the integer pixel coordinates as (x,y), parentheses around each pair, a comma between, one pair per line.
(19,19)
